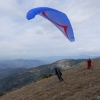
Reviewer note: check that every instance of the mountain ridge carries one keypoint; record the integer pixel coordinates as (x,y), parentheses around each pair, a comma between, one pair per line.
(33,74)
(20,63)
(79,83)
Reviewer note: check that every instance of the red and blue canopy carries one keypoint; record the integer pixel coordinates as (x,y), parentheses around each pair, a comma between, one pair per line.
(59,19)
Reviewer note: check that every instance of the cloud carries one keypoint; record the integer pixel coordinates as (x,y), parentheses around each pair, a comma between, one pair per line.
(21,38)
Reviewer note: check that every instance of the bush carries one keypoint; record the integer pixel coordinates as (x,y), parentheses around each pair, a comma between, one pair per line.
(46,76)
(1,94)
(49,75)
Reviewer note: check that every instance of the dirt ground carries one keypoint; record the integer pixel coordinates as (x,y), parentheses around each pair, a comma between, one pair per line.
(79,83)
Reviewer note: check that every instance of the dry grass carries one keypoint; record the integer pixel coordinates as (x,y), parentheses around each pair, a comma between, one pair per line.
(79,83)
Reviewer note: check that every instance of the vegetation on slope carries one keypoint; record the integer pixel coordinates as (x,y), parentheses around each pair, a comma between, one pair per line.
(33,74)
(79,83)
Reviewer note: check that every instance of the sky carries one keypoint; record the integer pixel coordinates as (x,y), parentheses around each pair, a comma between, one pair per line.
(30,39)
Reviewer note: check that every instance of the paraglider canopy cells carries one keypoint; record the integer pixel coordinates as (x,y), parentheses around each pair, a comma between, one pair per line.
(59,19)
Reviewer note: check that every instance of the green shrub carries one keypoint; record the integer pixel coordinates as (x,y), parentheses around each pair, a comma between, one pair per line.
(1,94)
(46,76)
(49,75)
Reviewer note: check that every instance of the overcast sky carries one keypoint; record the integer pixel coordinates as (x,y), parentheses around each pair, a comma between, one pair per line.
(22,38)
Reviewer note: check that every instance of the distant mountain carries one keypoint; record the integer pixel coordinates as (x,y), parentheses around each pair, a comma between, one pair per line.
(52,59)
(4,72)
(20,63)
(79,83)
(35,73)
(9,67)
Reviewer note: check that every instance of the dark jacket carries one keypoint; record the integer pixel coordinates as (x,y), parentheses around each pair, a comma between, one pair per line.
(58,72)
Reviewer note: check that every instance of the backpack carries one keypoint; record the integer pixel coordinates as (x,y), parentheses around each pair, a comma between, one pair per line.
(59,72)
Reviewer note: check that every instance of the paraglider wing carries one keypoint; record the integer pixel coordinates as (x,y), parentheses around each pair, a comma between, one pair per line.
(59,19)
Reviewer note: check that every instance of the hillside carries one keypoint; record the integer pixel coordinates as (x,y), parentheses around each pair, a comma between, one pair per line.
(34,74)
(4,72)
(9,67)
(79,83)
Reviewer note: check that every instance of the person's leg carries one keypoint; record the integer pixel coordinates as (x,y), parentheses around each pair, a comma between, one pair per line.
(88,66)
(59,78)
